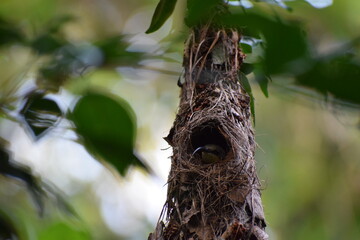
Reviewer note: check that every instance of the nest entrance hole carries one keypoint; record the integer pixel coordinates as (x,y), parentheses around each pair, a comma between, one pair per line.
(208,133)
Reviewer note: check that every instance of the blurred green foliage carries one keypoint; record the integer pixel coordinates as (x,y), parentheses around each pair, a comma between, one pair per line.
(40,114)
(11,169)
(107,128)
(309,162)
(9,33)
(291,47)
(286,49)
(162,12)
(7,228)
(60,231)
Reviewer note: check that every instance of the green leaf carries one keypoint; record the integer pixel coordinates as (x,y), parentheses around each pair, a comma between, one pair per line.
(246,48)
(338,76)
(61,230)
(244,82)
(247,68)
(285,46)
(107,128)
(263,81)
(284,41)
(252,107)
(199,12)
(162,12)
(40,114)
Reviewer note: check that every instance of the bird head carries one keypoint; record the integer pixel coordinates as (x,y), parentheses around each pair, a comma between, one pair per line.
(210,153)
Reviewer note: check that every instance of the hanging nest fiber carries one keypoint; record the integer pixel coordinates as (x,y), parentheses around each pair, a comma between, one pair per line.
(218,200)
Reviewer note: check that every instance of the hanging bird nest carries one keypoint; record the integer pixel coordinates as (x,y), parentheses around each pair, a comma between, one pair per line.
(219,200)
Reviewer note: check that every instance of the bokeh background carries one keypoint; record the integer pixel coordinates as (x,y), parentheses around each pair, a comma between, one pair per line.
(308,147)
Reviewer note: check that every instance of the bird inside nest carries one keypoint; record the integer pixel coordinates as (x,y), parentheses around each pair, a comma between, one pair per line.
(210,153)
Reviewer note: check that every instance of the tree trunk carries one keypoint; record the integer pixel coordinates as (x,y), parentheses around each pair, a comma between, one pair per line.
(221,199)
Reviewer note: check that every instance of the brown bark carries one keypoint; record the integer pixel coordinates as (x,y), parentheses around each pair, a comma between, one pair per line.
(218,200)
